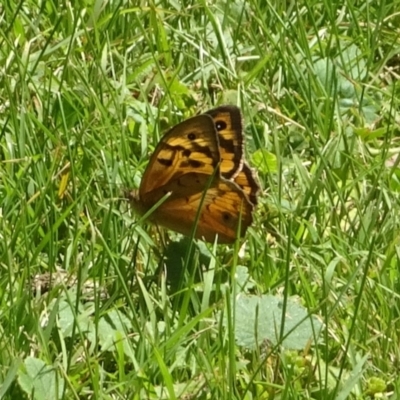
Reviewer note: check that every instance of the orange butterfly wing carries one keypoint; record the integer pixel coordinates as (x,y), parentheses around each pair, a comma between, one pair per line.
(229,125)
(224,207)
(189,146)
(199,163)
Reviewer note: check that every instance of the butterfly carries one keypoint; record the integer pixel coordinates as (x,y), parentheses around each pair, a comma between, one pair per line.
(198,169)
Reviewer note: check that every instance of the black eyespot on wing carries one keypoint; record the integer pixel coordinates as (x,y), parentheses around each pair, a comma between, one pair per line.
(191,136)
(220,125)
(226,217)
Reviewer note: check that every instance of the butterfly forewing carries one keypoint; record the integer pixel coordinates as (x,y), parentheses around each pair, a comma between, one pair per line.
(189,146)
(229,125)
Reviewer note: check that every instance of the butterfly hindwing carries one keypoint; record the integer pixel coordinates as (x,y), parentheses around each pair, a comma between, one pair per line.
(224,208)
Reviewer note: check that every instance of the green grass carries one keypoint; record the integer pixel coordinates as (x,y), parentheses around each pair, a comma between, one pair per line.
(85,94)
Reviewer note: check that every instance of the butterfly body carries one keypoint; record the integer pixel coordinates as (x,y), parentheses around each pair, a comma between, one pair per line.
(198,170)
